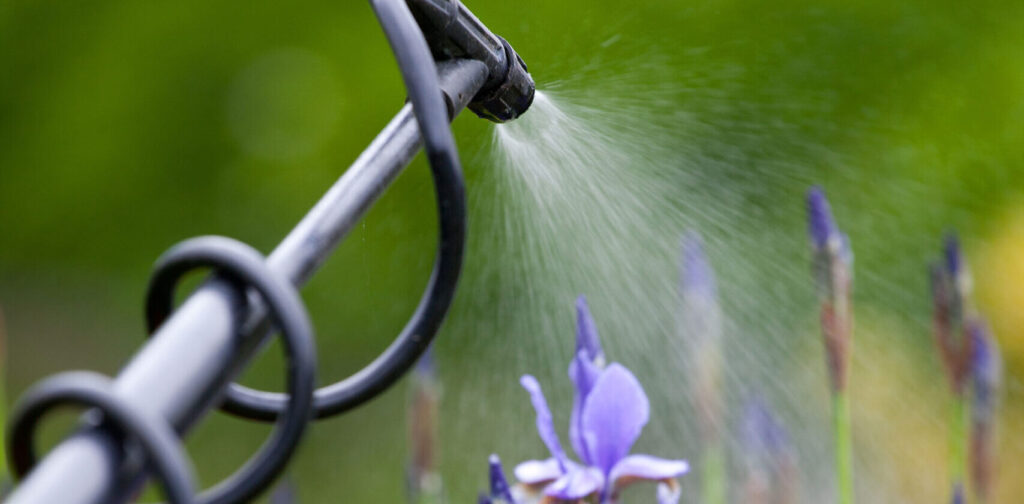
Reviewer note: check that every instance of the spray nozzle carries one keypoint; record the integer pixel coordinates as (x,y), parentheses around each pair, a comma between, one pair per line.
(454,32)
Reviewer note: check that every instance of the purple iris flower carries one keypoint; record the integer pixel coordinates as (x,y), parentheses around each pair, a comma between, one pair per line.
(609,412)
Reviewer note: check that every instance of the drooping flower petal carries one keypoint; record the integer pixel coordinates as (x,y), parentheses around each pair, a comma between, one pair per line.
(587,338)
(545,424)
(645,467)
(613,416)
(536,472)
(584,374)
(576,484)
(669,492)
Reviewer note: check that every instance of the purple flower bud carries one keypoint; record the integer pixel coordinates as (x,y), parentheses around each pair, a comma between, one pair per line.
(833,272)
(696,278)
(587,338)
(952,316)
(499,485)
(820,224)
(953,255)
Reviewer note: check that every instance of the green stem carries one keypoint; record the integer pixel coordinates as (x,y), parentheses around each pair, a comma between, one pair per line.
(958,432)
(713,474)
(844,446)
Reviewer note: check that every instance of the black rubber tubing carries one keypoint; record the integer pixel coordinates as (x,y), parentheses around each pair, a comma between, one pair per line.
(154,437)
(420,75)
(246,268)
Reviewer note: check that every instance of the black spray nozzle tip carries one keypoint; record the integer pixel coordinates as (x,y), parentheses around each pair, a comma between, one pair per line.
(507,96)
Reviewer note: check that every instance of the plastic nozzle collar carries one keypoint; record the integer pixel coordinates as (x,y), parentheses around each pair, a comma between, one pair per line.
(513,94)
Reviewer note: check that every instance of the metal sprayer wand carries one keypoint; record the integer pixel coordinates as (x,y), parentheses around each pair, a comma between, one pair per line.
(194,353)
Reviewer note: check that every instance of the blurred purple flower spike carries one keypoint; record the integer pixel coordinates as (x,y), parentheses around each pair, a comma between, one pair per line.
(833,271)
(986,369)
(696,277)
(770,458)
(953,255)
(701,330)
(763,432)
(952,317)
(820,225)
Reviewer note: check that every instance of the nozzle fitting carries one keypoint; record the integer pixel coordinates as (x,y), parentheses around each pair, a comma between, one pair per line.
(510,96)
(452,31)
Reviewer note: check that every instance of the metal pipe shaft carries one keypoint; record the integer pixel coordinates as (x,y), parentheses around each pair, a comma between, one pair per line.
(181,371)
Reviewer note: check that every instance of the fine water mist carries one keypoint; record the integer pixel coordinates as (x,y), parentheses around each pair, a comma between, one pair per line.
(591,192)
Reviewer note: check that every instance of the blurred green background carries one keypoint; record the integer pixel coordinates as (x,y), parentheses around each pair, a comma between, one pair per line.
(128,126)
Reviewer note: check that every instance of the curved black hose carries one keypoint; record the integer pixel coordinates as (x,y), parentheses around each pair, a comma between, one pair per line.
(420,75)
(154,437)
(243,266)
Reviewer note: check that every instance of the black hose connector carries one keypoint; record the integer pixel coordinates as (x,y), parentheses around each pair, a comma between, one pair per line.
(511,97)
(453,32)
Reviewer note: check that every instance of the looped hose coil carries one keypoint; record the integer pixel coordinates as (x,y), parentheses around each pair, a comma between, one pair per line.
(155,439)
(245,267)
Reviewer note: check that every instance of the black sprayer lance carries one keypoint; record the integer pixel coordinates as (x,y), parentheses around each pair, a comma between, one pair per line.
(133,427)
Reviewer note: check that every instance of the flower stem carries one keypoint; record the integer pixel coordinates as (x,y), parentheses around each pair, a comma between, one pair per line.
(958,432)
(713,474)
(843,446)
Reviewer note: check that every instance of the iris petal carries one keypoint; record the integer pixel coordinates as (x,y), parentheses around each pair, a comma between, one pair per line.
(584,374)
(535,472)
(545,424)
(614,414)
(669,492)
(576,484)
(646,467)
